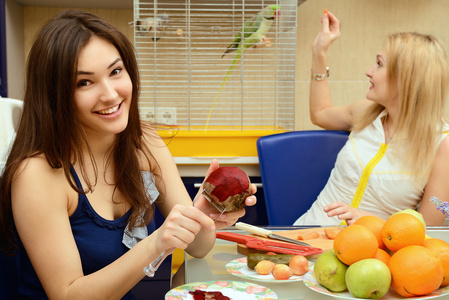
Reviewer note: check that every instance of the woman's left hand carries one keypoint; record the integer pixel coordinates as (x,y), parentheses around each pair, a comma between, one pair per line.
(344,212)
(227,218)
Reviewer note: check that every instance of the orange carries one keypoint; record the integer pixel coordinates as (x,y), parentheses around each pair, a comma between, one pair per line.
(441,248)
(382,255)
(415,271)
(374,224)
(401,230)
(354,243)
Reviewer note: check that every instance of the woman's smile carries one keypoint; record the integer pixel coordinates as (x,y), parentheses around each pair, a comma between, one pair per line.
(110,112)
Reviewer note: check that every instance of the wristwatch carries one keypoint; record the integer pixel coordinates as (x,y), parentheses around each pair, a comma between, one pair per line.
(316,76)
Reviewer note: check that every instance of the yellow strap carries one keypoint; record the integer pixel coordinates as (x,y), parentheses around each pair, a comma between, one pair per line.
(365,176)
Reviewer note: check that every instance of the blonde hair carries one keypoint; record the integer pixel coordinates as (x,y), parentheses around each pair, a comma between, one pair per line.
(417,65)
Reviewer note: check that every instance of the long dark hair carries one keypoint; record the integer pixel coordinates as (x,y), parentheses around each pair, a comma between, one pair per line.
(49,125)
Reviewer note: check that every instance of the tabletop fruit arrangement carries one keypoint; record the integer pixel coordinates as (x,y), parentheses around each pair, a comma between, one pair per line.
(372,255)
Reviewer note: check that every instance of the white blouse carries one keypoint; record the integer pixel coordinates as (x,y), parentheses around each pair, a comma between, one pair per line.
(366,171)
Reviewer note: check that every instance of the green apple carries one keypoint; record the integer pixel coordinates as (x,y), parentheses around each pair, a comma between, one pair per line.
(368,278)
(330,272)
(413,213)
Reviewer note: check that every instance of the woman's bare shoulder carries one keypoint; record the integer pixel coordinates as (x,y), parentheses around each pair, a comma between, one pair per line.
(360,106)
(37,171)
(37,185)
(443,148)
(156,141)
(36,165)
(152,143)
(151,136)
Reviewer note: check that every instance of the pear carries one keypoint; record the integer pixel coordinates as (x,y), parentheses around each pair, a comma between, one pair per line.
(330,272)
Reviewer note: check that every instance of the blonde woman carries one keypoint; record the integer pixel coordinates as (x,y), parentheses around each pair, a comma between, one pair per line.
(397,155)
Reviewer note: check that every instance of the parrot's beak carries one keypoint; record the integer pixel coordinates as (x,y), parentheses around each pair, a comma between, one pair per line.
(277,14)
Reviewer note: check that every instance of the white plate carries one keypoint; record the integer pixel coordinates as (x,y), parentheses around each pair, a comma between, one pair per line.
(239,268)
(231,289)
(312,283)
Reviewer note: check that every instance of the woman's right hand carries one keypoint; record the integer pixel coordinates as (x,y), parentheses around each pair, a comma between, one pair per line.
(329,32)
(181,226)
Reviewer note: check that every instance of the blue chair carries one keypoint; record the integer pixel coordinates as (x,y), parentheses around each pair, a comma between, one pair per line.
(295,167)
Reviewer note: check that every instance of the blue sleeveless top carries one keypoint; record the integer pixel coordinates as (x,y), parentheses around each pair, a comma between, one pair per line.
(99,243)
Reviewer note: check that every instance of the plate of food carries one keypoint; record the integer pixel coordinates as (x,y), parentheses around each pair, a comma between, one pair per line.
(312,283)
(238,267)
(223,290)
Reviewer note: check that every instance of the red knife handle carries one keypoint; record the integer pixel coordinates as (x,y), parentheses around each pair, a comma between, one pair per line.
(279,247)
(234,237)
(283,248)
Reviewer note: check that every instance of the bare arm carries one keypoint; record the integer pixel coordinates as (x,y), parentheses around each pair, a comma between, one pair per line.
(176,194)
(437,186)
(40,201)
(322,111)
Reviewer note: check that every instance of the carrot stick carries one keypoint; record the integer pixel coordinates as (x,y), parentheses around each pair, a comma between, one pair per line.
(331,233)
(308,235)
(325,11)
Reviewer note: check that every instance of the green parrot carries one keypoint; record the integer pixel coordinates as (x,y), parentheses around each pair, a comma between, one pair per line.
(253,33)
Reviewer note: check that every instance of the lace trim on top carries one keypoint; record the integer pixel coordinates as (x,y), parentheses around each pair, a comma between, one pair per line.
(100,221)
(132,237)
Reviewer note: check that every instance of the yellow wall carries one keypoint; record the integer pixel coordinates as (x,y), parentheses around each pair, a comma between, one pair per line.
(365,23)
(35,17)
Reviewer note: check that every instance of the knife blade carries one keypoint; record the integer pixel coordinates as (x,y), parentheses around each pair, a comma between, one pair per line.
(267,233)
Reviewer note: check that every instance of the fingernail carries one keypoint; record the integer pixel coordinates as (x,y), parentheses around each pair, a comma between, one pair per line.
(212,228)
(213,216)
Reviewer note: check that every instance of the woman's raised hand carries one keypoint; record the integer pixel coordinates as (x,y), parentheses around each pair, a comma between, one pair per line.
(329,32)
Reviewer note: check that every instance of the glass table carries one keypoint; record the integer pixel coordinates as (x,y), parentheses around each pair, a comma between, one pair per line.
(212,268)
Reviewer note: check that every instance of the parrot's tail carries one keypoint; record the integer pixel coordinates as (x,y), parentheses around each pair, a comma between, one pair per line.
(234,62)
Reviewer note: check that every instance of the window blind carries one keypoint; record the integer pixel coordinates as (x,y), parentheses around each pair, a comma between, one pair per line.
(180,46)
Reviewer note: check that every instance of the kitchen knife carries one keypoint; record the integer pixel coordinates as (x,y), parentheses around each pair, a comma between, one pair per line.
(267,233)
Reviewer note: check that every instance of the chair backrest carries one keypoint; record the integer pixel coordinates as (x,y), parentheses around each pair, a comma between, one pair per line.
(10,113)
(295,167)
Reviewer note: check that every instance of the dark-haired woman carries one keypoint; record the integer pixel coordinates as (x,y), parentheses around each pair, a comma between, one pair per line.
(84,172)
